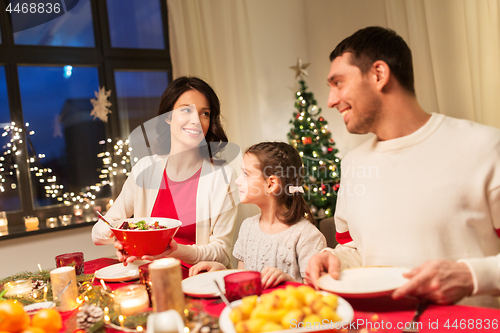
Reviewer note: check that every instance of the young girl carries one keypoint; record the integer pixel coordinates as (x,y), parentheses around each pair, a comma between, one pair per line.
(279,241)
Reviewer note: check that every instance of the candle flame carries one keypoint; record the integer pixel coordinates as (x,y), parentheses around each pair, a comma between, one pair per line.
(139,328)
(186,329)
(120,319)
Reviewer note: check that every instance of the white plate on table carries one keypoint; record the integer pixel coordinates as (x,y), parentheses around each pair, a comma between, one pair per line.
(344,310)
(365,282)
(38,306)
(202,285)
(119,272)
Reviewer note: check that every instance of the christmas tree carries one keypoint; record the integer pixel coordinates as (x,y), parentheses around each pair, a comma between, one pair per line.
(310,136)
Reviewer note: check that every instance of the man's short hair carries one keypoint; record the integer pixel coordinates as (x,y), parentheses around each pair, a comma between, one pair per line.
(376,43)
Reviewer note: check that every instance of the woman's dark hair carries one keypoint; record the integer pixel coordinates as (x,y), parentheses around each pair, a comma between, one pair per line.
(216,138)
(284,162)
(376,43)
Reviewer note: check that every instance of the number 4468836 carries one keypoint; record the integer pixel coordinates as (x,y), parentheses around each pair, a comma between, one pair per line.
(472,324)
(41,8)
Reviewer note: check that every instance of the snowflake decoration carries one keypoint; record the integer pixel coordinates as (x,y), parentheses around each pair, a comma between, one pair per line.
(101,104)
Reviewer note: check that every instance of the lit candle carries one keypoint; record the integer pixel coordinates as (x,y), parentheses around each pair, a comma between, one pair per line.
(51,222)
(131,299)
(65,219)
(18,288)
(3,220)
(31,223)
(60,278)
(78,211)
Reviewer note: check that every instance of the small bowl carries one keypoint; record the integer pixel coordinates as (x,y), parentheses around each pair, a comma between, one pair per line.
(146,242)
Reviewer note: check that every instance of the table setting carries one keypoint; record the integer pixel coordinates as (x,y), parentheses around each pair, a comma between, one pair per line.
(104,295)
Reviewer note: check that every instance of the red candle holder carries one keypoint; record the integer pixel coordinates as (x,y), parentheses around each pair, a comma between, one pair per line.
(242,284)
(145,279)
(74,259)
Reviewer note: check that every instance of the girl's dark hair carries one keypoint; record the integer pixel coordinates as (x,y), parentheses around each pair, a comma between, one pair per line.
(283,161)
(216,138)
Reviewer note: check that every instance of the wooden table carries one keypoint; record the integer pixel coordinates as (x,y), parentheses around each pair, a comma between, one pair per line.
(380,314)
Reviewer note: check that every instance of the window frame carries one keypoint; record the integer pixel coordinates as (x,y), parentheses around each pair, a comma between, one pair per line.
(106,59)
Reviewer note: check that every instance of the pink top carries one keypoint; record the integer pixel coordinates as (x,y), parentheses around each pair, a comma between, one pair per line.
(177,200)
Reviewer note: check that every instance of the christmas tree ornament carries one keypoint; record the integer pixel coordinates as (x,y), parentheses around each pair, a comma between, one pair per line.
(300,69)
(321,213)
(306,140)
(313,110)
(312,179)
(324,150)
(314,210)
(101,104)
(88,315)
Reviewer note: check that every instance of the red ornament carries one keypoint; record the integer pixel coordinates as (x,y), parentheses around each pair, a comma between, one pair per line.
(298,115)
(336,187)
(330,149)
(321,119)
(307,140)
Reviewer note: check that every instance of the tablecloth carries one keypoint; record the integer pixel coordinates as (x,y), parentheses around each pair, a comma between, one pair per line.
(381,314)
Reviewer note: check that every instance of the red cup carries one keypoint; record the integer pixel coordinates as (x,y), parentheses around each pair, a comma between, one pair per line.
(242,284)
(74,259)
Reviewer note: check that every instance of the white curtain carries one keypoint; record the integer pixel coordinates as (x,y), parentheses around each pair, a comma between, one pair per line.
(210,39)
(456,49)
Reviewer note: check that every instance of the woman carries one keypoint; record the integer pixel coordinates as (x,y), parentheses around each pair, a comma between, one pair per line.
(183,179)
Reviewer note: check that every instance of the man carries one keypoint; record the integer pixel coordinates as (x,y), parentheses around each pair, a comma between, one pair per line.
(423,193)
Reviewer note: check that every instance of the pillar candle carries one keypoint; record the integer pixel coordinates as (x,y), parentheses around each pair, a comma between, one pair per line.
(18,288)
(166,277)
(31,223)
(131,299)
(59,278)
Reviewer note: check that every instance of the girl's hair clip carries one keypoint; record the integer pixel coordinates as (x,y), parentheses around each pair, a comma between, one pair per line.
(293,189)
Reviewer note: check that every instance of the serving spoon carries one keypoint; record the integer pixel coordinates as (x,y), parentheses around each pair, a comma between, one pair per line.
(102,218)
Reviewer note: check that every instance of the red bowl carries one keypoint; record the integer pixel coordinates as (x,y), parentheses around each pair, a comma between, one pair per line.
(146,242)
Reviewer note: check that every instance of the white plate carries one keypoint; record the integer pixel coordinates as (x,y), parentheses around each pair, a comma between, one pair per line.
(344,310)
(365,282)
(118,272)
(38,306)
(202,285)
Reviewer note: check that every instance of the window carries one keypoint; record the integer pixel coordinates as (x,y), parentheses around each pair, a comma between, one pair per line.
(71,29)
(135,24)
(52,147)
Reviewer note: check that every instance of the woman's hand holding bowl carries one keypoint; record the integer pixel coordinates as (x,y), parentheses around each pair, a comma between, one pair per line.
(125,258)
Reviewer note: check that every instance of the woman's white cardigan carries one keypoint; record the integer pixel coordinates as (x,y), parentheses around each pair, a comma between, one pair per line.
(216,207)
